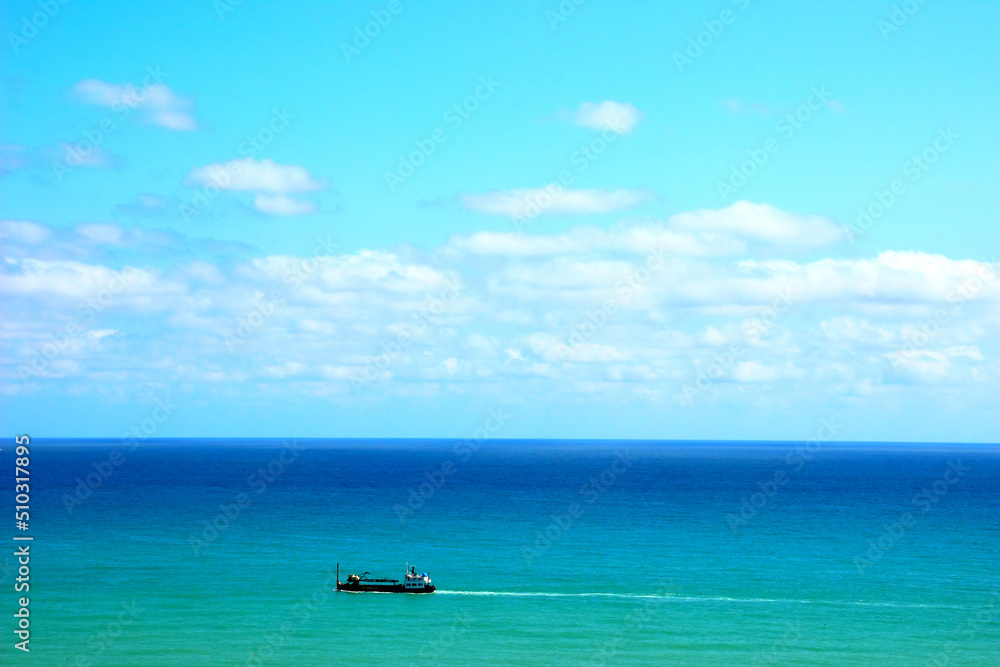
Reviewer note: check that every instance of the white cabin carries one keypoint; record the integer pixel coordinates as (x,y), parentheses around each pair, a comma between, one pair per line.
(416,581)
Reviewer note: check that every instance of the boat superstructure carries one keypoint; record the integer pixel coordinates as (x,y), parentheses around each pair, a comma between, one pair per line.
(363,583)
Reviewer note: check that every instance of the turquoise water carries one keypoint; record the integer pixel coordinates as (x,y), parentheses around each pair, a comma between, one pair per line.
(647,564)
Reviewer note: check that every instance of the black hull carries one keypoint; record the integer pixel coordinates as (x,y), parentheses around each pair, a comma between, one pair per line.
(371,588)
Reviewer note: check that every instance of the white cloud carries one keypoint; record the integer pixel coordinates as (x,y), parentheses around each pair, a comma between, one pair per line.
(638,238)
(554,199)
(543,317)
(616,116)
(703,232)
(935,366)
(753,371)
(156,103)
(699,233)
(764,222)
(856,332)
(282,205)
(350,276)
(75,280)
(23,231)
(261,176)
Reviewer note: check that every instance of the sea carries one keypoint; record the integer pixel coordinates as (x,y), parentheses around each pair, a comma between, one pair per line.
(226,552)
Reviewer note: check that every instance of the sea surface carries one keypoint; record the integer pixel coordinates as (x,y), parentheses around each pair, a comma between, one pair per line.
(224,552)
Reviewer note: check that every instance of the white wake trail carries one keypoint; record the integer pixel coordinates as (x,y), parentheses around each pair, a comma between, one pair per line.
(683,598)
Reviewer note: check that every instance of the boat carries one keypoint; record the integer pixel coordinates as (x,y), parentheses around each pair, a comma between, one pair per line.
(362,583)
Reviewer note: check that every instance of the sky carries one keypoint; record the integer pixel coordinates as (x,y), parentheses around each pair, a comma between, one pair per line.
(667,220)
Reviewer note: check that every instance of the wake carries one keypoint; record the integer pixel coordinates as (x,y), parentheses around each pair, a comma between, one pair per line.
(680,598)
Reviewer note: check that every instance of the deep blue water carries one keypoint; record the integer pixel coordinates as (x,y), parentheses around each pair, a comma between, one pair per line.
(195,552)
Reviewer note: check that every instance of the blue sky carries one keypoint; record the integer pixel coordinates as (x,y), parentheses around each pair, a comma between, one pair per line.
(567,215)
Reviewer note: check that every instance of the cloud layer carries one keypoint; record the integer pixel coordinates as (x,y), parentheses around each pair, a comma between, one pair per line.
(663,313)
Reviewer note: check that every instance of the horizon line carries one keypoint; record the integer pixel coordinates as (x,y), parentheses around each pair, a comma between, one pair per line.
(499,440)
